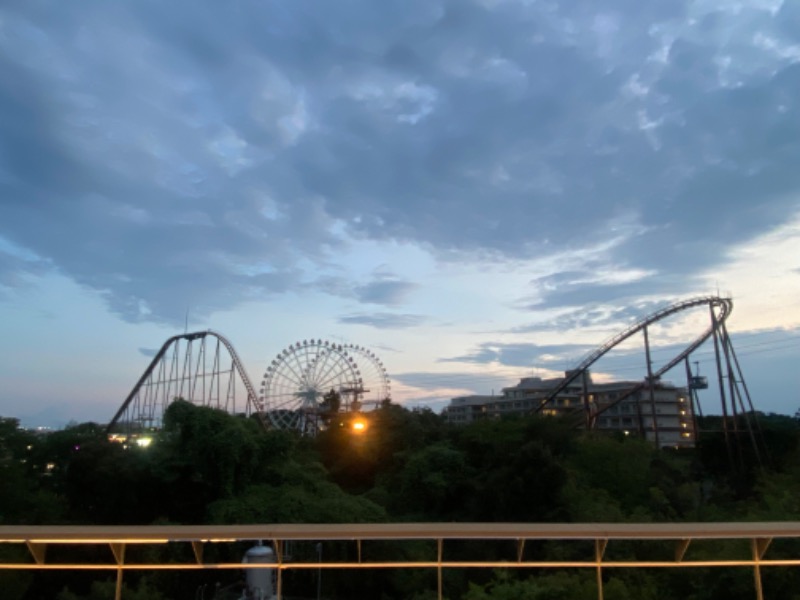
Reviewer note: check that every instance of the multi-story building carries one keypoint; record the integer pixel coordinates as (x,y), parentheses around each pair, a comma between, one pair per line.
(661,413)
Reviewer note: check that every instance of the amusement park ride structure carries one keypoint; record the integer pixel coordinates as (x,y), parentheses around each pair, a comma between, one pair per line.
(735,399)
(303,387)
(738,412)
(202,367)
(312,380)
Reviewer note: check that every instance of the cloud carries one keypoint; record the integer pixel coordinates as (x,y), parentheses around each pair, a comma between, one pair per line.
(148,352)
(165,152)
(17,269)
(462,382)
(590,316)
(384,288)
(387,292)
(384,320)
(522,354)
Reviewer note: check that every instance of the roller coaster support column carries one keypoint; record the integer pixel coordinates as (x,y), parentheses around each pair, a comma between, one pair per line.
(720,378)
(752,412)
(732,390)
(651,385)
(586,408)
(747,417)
(694,402)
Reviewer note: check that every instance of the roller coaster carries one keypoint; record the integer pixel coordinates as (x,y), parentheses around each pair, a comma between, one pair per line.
(738,412)
(301,382)
(201,367)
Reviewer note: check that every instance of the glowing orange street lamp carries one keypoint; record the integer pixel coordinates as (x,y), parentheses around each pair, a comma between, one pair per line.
(359,425)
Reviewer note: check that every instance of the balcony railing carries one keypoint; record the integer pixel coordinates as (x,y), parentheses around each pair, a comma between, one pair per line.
(598,540)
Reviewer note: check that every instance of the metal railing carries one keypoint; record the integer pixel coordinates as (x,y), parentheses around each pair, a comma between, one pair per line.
(602,538)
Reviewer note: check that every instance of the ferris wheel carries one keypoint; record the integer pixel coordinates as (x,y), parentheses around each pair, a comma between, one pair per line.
(310,381)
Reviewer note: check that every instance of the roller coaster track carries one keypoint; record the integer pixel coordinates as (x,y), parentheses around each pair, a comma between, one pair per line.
(252,405)
(722,304)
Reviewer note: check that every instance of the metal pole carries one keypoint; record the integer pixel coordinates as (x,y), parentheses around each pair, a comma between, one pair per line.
(599,551)
(586,409)
(721,385)
(118,592)
(439,544)
(278,544)
(757,554)
(651,385)
(727,346)
(319,571)
(752,411)
(119,555)
(690,391)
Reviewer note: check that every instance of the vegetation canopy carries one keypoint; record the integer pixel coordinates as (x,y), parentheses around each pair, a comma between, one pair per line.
(396,465)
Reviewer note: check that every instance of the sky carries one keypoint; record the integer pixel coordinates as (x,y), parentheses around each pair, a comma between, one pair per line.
(476,190)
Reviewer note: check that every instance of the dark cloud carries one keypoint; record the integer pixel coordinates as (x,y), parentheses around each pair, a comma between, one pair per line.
(384,320)
(167,152)
(148,352)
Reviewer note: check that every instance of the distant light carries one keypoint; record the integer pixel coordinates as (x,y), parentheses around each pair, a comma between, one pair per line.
(359,426)
(144,442)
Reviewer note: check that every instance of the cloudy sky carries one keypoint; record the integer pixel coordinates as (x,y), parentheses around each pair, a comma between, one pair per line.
(475,189)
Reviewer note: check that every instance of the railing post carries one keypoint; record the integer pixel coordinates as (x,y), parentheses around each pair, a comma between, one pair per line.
(599,550)
(278,544)
(439,549)
(119,556)
(759,547)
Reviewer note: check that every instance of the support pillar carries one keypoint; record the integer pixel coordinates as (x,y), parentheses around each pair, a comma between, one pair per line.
(651,386)
(599,551)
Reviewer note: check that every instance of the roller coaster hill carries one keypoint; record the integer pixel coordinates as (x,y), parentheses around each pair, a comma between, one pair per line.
(310,379)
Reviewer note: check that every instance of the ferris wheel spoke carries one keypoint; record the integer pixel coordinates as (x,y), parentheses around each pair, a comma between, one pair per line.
(297,375)
(341,376)
(335,369)
(325,360)
(285,402)
(322,365)
(298,365)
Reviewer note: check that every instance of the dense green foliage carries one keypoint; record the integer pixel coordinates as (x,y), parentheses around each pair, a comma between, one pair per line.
(206,466)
